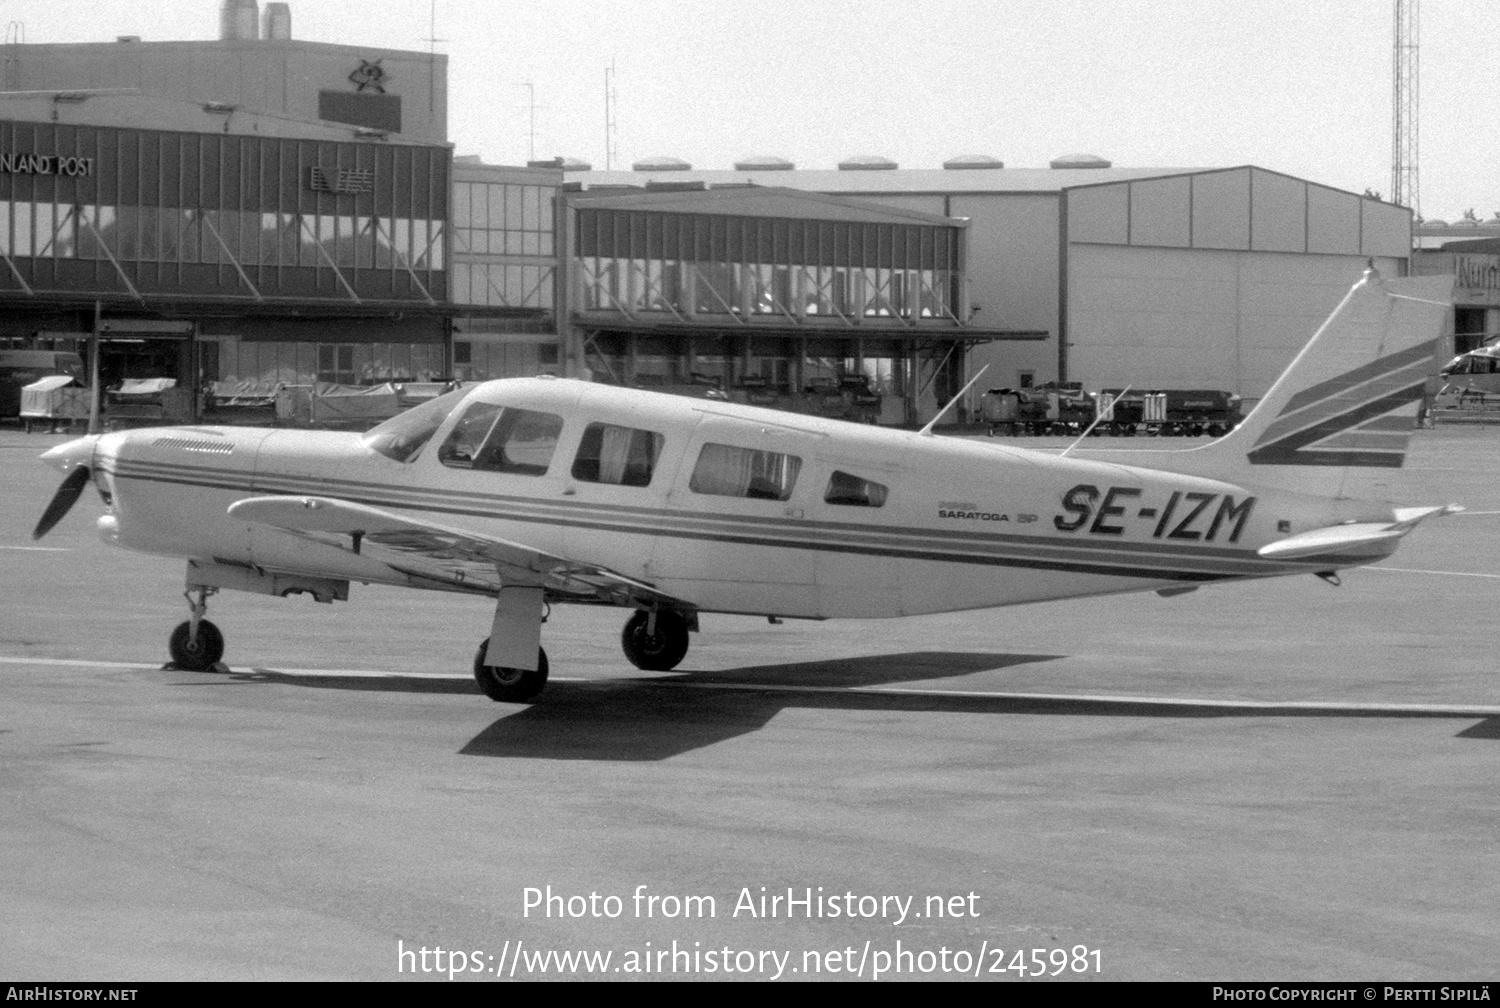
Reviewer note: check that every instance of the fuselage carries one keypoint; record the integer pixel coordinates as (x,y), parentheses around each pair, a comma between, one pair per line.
(735,508)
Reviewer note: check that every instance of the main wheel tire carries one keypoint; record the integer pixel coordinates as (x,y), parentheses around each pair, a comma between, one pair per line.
(509,685)
(658,652)
(198,656)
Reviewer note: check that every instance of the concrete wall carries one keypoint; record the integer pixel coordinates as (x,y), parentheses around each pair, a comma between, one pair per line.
(268,76)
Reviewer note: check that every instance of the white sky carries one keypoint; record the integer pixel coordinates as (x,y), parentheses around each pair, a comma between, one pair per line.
(1299,87)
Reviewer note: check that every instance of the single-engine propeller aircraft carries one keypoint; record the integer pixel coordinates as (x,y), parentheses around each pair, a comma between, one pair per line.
(535,491)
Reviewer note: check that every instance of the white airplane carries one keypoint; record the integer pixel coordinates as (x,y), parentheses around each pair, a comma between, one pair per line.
(535,491)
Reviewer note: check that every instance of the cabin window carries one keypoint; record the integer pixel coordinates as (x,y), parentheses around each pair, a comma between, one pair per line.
(744,472)
(502,439)
(623,456)
(846,488)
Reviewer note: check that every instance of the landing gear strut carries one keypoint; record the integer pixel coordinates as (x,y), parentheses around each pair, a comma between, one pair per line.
(196,645)
(509,685)
(655,641)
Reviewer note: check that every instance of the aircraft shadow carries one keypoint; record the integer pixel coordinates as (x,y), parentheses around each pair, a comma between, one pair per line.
(364,684)
(643,720)
(656,718)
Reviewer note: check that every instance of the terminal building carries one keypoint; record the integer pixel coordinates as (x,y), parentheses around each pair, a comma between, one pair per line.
(243,209)
(1469,249)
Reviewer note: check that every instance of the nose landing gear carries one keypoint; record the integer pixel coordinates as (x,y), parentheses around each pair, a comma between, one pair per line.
(196,645)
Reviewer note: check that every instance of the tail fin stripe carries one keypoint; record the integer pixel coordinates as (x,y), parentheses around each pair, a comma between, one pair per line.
(1374,442)
(1420,354)
(1394,424)
(1341,403)
(1289,450)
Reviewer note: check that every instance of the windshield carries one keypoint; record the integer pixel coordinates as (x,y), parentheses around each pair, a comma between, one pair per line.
(402,436)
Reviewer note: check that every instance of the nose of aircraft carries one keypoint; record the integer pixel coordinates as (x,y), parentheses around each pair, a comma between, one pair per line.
(71,454)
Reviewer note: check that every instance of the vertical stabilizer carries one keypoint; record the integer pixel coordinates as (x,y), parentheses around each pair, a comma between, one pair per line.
(1340,417)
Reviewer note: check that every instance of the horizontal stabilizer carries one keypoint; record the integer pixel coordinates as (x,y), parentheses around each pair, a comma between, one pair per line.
(1353,537)
(1334,539)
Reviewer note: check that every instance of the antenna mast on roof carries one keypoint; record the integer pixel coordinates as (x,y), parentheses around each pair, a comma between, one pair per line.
(611,152)
(1405,66)
(432,40)
(531,104)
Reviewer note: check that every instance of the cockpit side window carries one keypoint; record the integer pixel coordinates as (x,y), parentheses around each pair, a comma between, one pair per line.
(502,439)
(744,472)
(846,488)
(402,437)
(623,456)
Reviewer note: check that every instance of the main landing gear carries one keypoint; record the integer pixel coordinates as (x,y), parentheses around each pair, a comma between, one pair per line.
(509,685)
(655,641)
(196,645)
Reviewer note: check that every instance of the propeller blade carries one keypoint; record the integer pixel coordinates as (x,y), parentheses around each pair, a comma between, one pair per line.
(62,502)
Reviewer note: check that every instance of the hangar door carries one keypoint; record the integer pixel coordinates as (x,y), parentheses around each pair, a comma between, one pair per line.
(1177,318)
(1213,279)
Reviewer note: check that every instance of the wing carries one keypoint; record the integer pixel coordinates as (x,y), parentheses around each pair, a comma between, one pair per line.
(455,558)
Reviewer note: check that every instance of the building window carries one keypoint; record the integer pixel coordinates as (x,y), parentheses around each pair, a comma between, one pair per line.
(336,363)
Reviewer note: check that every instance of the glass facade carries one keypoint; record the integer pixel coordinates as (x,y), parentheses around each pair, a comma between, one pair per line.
(503,245)
(222,215)
(304,363)
(700,264)
(169,235)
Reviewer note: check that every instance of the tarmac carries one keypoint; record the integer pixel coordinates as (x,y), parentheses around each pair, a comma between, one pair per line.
(1274,780)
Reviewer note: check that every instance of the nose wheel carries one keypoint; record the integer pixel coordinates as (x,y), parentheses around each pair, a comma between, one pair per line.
(196,645)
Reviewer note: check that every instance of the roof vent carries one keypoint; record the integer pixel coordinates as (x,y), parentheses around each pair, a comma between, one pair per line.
(276,22)
(868,162)
(127,38)
(764,164)
(965,162)
(1080,161)
(661,164)
(239,20)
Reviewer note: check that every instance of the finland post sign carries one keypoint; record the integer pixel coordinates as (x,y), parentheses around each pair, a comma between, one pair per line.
(45,164)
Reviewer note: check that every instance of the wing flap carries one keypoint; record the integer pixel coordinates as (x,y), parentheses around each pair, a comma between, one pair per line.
(457,557)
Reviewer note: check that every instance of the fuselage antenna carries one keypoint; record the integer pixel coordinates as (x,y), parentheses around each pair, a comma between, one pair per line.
(1098,416)
(927,431)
